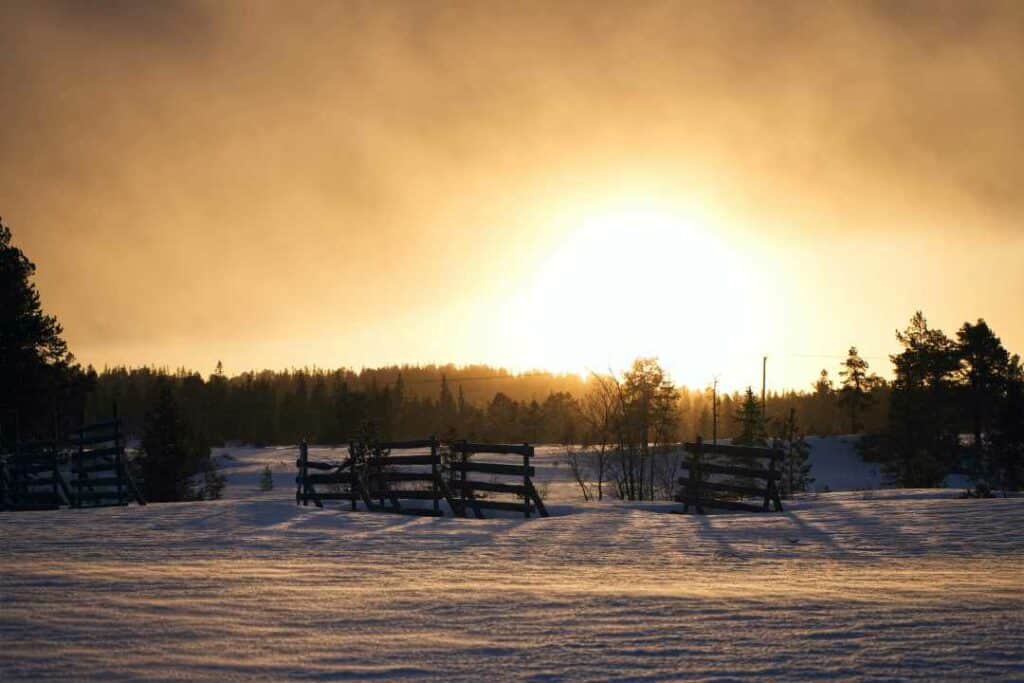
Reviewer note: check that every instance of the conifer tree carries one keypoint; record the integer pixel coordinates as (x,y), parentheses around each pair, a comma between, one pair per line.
(1008,434)
(985,376)
(857,384)
(446,407)
(171,454)
(267,479)
(796,468)
(750,421)
(922,443)
(39,381)
(824,400)
(213,481)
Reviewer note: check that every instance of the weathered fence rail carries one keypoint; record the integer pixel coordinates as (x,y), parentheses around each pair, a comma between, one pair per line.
(32,479)
(87,470)
(527,500)
(753,473)
(385,477)
(101,476)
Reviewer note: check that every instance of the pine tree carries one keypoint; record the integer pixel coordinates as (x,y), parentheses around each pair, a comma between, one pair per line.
(446,407)
(750,421)
(796,468)
(171,455)
(532,417)
(922,444)
(213,481)
(855,395)
(267,479)
(39,382)
(824,400)
(985,376)
(1008,434)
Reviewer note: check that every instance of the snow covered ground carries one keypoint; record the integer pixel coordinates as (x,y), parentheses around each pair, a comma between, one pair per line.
(875,585)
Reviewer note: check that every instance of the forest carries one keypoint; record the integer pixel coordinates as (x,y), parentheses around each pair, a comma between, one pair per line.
(953,403)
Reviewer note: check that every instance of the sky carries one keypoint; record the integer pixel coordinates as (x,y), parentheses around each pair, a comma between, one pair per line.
(560,185)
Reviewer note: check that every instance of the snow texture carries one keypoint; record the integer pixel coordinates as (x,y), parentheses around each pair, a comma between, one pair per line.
(866,585)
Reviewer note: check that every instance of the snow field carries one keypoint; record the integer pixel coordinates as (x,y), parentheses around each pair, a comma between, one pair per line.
(872,585)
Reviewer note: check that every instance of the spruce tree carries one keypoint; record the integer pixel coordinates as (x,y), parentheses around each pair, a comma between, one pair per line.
(922,443)
(267,479)
(752,432)
(824,401)
(857,384)
(1008,434)
(750,421)
(171,454)
(796,468)
(985,376)
(213,481)
(39,382)
(446,408)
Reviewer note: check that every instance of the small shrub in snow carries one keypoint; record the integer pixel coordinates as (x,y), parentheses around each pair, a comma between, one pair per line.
(267,479)
(980,490)
(213,482)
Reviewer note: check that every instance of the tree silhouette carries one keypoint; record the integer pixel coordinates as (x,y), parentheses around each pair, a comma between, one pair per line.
(855,395)
(922,436)
(985,374)
(751,422)
(39,382)
(171,453)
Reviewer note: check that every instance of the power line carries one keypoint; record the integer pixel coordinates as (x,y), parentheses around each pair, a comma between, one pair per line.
(825,355)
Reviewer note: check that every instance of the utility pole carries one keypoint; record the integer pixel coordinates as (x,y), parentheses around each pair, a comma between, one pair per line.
(714,412)
(764,373)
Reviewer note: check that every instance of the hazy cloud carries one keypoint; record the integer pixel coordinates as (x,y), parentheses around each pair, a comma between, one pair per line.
(263,161)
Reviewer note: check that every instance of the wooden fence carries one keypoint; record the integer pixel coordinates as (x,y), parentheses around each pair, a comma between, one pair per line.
(720,476)
(506,478)
(385,477)
(88,470)
(31,479)
(101,476)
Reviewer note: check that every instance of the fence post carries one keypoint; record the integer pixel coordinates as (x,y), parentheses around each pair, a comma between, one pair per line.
(80,474)
(119,457)
(526,480)
(356,484)
(697,476)
(301,488)
(434,455)
(463,495)
(771,489)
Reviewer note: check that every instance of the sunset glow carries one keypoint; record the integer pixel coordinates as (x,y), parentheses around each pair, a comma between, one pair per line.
(627,281)
(366,193)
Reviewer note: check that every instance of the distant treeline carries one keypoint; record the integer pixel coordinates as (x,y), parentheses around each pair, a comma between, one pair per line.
(477,402)
(943,389)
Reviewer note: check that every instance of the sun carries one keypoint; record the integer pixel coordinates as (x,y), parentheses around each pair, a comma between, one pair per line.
(635,279)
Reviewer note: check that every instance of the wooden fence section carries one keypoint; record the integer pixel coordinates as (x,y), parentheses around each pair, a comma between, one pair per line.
(516,479)
(31,479)
(721,476)
(384,477)
(89,470)
(100,475)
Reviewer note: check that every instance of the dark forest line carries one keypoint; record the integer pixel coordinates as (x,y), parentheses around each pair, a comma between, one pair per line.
(475,402)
